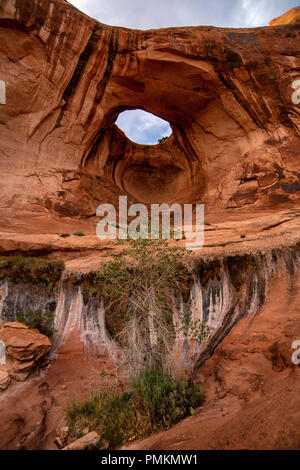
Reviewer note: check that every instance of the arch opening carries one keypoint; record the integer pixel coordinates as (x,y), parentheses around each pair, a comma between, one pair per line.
(143,128)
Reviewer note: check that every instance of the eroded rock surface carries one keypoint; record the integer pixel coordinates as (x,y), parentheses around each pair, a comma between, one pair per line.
(252,386)
(228,95)
(84,443)
(232,99)
(26,349)
(4,379)
(291,16)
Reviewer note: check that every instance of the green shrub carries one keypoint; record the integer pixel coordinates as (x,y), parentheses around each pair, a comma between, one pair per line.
(167,400)
(154,401)
(21,269)
(36,319)
(137,286)
(195,330)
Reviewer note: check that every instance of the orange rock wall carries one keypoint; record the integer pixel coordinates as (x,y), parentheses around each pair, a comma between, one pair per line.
(227,94)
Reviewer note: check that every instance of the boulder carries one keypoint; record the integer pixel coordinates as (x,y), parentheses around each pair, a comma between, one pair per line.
(85,442)
(25,349)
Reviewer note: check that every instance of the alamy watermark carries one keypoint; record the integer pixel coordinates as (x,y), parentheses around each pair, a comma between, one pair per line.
(296,354)
(2,353)
(296,94)
(187,222)
(2,92)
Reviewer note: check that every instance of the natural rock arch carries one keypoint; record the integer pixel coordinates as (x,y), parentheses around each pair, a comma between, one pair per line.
(225,92)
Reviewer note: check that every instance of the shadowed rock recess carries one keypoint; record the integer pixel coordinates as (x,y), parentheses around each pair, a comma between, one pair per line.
(232,99)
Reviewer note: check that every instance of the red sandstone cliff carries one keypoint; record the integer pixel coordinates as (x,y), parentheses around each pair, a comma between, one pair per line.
(226,92)
(232,99)
(291,16)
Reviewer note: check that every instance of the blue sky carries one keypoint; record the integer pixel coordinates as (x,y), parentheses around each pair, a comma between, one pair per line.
(146,14)
(143,128)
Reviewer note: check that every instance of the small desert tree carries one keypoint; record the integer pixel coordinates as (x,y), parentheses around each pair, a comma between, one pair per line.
(139,287)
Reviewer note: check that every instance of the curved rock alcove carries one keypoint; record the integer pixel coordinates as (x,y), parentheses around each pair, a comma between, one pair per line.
(227,94)
(232,99)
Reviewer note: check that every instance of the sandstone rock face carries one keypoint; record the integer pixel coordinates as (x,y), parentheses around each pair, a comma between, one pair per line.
(251,385)
(4,379)
(230,96)
(292,16)
(25,350)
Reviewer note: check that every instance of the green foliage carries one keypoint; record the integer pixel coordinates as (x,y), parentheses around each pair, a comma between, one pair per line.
(106,411)
(137,286)
(199,331)
(162,139)
(21,269)
(79,234)
(154,401)
(145,264)
(36,319)
(168,400)
(196,330)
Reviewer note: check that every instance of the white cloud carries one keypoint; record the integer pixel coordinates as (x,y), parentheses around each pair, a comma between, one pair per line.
(145,14)
(250,14)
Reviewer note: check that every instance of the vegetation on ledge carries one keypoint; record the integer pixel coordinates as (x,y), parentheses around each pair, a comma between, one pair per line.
(22,269)
(138,287)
